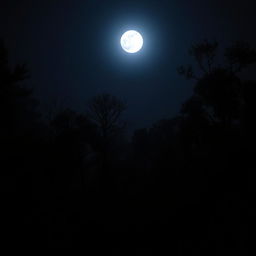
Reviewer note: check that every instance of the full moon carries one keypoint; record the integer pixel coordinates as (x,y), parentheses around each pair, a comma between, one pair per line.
(131,41)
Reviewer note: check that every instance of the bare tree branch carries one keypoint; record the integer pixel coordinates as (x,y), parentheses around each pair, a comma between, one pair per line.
(105,110)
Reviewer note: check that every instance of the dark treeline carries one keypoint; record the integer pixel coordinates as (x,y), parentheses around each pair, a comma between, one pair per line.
(73,180)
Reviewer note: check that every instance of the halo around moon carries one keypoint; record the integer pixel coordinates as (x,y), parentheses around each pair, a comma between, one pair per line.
(131,41)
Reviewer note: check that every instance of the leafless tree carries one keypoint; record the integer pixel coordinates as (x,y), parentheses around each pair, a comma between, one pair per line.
(105,110)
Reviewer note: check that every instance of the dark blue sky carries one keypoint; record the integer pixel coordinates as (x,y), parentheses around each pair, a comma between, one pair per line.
(73,52)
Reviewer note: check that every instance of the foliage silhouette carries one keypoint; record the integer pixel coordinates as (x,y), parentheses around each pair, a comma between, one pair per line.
(74,176)
(17,104)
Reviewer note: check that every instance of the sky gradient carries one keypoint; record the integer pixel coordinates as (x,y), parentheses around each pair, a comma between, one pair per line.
(73,52)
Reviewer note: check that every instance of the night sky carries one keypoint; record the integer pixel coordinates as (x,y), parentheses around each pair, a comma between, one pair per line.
(72,48)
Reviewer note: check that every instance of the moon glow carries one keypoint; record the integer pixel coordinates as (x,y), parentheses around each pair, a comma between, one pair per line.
(131,41)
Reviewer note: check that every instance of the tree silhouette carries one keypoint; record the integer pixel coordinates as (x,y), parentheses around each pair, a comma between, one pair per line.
(219,86)
(204,54)
(105,110)
(72,138)
(17,106)
(217,131)
(240,55)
